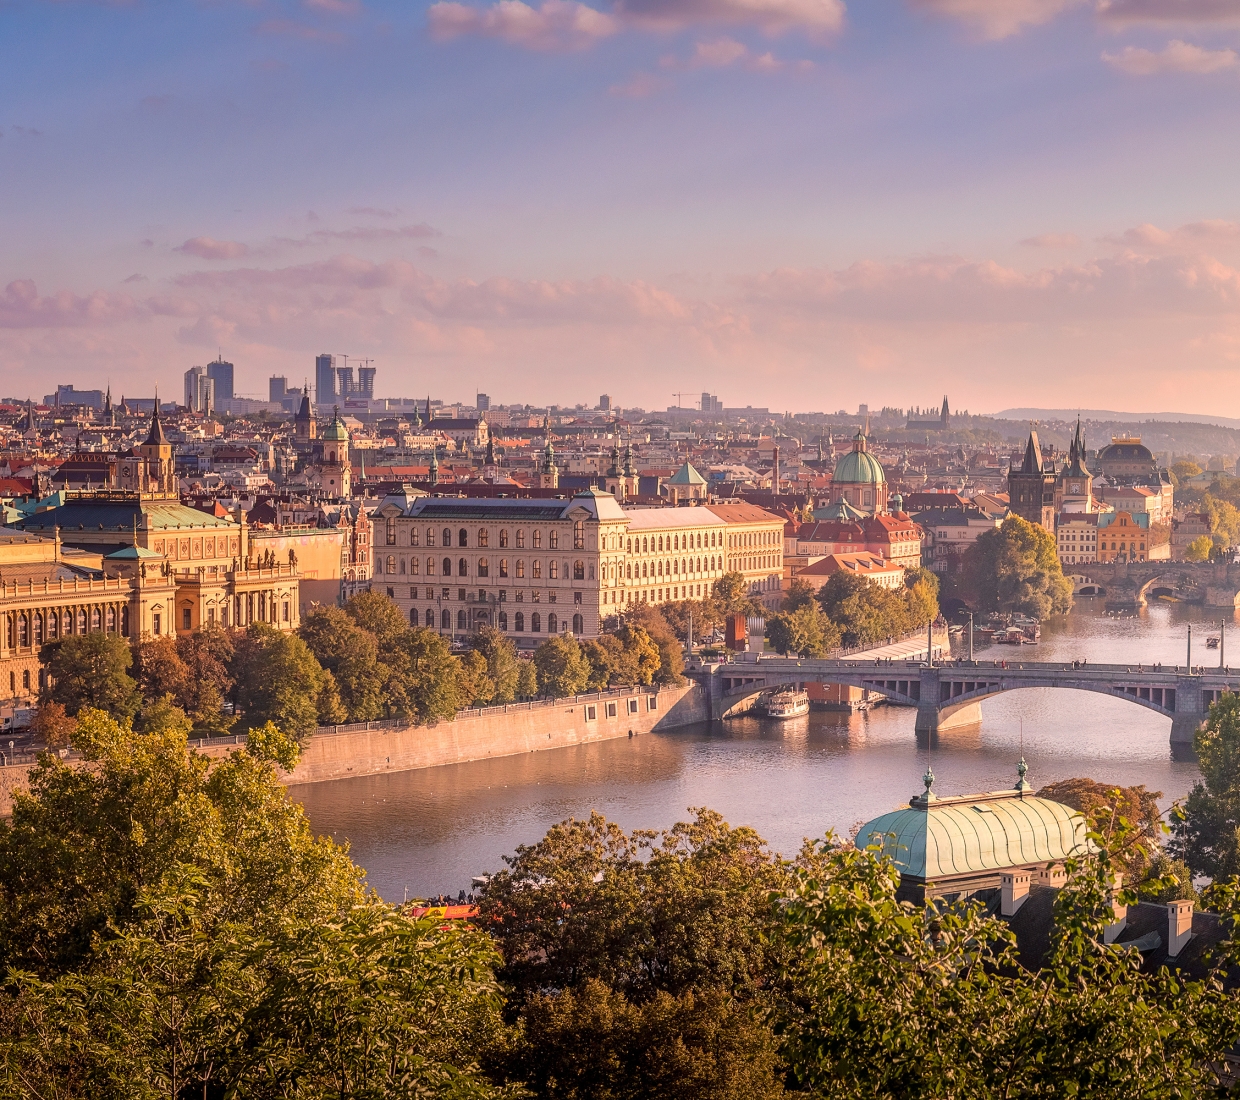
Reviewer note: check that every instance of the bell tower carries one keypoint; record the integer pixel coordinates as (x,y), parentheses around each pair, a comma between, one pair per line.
(157,478)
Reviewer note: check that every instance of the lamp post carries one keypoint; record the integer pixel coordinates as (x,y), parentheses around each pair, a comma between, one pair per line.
(1190,647)
(970,637)
(1222,640)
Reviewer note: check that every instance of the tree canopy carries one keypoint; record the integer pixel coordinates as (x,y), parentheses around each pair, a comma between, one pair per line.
(1015,567)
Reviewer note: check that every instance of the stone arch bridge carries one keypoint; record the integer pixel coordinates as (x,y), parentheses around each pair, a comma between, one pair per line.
(1127,585)
(950,695)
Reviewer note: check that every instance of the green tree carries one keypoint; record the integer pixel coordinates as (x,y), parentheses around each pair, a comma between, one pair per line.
(378,615)
(706,616)
(605,654)
(527,679)
(278,680)
(863,612)
(640,965)
(921,596)
(1135,804)
(1199,549)
(563,669)
(351,655)
(805,632)
(477,687)
(431,677)
(1208,836)
(1015,568)
(649,618)
(731,592)
(207,655)
(800,593)
(1185,469)
(500,653)
(91,670)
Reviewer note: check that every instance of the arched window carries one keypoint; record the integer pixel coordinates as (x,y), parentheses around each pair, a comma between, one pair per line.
(430,536)
(519,620)
(579,535)
(414,565)
(520,567)
(484,567)
(552,623)
(537,569)
(553,570)
(38,629)
(644,568)
(535,623)
(483,537)
(537,544)
(660,544)
(23,630)
(579,570)
(462,537)
(503,538)
(96,619)
(675,542)
(391,564)
(414,620)
(445,620)
(447,567)
(430,567)
(644,546)
(629,572)
(579,625)
(430,617)
(462,568)
(503,567)
(53,625)
(462,621)
(447,537)
(675,567)
(630,545)
(503,620)
(520,540)
(111,620)
(81,620)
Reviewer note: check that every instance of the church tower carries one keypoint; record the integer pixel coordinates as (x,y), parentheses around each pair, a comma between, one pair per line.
(305,429)
(1074,487)
(548,473)
(336,472)
(156,477)
(490,469)
(1031,487)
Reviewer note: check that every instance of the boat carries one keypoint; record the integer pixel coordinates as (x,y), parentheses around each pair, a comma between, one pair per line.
(786,703)
(1013,635)
(1211,643)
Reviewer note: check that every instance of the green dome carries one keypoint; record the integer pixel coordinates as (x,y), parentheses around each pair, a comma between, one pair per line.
(858,466)
(336,431)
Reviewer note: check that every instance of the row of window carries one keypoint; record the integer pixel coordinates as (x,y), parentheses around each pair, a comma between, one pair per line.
(580,570)
(555,624)
(650,544)
(26,628)
(482,537)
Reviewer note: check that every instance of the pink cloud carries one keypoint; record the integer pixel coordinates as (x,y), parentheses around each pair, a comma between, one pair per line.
(1203,236)
(820,17)
(371,212)
(335,7)
(1170,12)
(21,307)
(1176,57)
(1052,240)
(554,25)
(208,248)
(993,19)
(727,52)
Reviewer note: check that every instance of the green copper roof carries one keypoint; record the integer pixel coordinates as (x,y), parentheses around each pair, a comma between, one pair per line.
(336,432)
(686,475)
(859,467)
(941,838)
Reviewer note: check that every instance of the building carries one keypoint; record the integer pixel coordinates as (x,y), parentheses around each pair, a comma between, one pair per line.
(1074,484)
(325,380)
(941,424)
(873,567)
(67,395)
(1158,500)
(686,484)
(333,473)
(947,534)
(1123,536)
(482,402)
(710,403)
(305,427)
(859,479)
(200,391)
(221,373)
(1126,459)
(277,387)
(1185,530)
(604,403)
(755,549)
(895,538)
(1031,487)
(1076,537)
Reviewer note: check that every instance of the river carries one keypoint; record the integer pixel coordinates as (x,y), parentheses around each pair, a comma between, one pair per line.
(427,832)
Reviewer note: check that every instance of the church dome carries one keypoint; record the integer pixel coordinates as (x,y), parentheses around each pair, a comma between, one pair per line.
(336,431)
(858,466)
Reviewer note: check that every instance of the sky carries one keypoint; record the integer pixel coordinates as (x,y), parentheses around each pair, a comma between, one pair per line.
(799,204)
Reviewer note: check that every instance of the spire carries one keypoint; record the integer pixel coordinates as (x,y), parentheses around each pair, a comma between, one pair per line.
(1033,456)
(428,408)
(490,449)
(434,463)
(156,437)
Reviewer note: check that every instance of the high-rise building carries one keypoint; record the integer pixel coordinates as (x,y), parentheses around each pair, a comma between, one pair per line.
(67,395)
(366,382)
(711,403)
(199,391)
(277,387)
(324,380)
(483,402)
(604,403)
(221,373)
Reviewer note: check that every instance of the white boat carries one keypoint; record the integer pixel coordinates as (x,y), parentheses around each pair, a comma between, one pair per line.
(788,703)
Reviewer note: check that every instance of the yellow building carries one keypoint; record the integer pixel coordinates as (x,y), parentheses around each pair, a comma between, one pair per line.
(1123,536)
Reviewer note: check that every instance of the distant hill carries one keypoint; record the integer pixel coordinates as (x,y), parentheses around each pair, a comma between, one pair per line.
(1112,417)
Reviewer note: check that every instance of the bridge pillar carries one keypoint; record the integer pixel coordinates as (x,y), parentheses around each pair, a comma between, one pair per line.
(1190,710)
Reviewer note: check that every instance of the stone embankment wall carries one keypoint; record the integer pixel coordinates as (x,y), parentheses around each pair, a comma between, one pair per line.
(374,747)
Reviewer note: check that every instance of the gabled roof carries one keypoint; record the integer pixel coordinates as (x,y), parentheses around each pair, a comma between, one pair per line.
(686,475)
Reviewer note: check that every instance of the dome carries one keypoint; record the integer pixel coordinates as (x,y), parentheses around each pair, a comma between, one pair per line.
(858,466)
(336,431)
(1128,450)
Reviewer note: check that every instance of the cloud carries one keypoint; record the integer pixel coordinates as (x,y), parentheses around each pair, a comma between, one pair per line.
(993,19)
(1124,13)
(137,277)
(21,307)
(569,25)
(371,212)
(374,233)
(555,25)
(290,29)
(1177,57)
(1052,240)
(726,52)
(1195,237)
(207,248)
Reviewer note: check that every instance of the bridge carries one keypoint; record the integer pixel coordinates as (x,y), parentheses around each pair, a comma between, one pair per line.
(1127,585)
(950,695)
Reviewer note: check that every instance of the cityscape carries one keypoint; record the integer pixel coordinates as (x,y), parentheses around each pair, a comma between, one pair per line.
(612,550)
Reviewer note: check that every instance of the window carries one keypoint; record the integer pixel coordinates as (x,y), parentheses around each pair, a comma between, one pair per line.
(391,531)
(96,619)
(484,567)
(445,620)
(579,535)
(38,627)
(430,536)
(552,623)
(391,564)
(462,620)
(503,620)
(579,570)
(537,544)
(520,567)
(447,567)
(553,540)
(156,623)
(414,620)
(430,618)
(447,537)
(537,569)
(26,679)
(462,537)
(503,538)
(577,598)
(462,568)
(520,622)
(553,570)
(611,710)
(284,611)
(430,567)
(630,545)
(535,623)
(592,714)
(413,536)
(414,565)
(652,702)
(503,567)
(520,540)
(632,706)
(579,625)
(675,542)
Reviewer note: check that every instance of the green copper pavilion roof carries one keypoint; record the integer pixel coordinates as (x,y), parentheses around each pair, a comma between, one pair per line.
(686,475)
(858,466)
(936,839)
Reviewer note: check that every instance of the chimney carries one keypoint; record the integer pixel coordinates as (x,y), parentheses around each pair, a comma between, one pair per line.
(1111,933)
(775,475)
(1052,875)
(1179,926)
(1014,889)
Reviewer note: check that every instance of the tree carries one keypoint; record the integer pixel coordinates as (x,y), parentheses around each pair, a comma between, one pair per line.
(52,726)
(1199,549)
(500,653)
(1136,804)
(805,632)
(527,679)
(731,591)
(90,670)
(374,612)
(640,964)
(207,655)
(278,680)
(477,687)
(1015,568)
(351,655)
(563,668)
(431,676)
(863,612)
(1208,836)
(671,656)
(921,596)
(1185,469)
(800,593)
(706,616)
(160,669)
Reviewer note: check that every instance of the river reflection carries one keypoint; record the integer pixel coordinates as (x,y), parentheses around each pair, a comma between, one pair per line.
(429,831)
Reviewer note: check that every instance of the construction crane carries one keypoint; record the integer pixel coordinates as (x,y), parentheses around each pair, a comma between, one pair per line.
(679,397)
